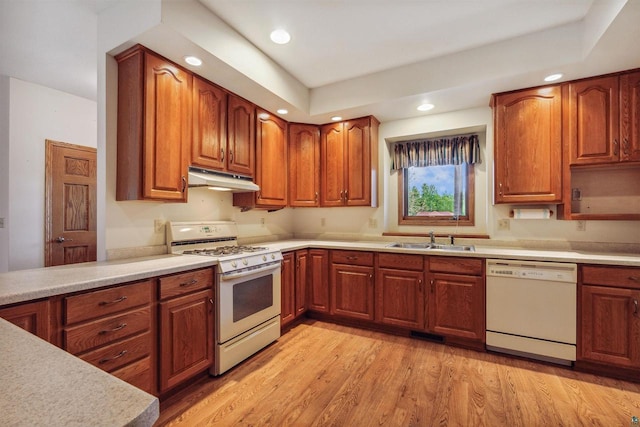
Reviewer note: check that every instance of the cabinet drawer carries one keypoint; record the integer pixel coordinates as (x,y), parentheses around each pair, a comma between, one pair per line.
(114,356)
(352,257)
(470,266)
(138,374)
(101,303)
(85,337)
(628,277)
(400,261)
(178,284)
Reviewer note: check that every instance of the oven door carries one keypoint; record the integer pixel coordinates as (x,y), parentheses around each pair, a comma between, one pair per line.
(247,299)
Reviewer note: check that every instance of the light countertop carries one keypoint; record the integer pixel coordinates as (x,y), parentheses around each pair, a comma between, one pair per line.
(43,385)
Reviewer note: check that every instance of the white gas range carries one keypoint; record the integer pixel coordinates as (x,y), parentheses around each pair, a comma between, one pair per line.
(247,287)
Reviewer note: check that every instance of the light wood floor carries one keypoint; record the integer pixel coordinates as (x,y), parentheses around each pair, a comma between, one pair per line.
(324,374)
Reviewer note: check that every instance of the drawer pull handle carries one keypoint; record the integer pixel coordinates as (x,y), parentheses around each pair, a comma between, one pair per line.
(116,329)
(634,278)
(115,301)
(352,258)
(117,356)
(189,283)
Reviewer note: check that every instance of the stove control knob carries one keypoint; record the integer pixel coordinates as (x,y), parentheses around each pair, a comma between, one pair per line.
(264,257)
(273,256)
(245,261)
(234,264)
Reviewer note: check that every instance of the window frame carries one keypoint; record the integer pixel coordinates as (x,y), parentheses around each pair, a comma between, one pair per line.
(467,220)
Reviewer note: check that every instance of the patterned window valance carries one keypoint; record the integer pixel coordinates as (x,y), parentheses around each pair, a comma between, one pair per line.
(436,152)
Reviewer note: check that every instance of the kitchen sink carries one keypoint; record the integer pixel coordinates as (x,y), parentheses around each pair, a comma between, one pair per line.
(432,246)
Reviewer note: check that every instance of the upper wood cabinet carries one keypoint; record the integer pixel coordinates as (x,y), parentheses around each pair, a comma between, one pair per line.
(154,127)
(349,163)
(528,146)
(241,136)
(271,165)
(603,124)
(304,165)
(209,148)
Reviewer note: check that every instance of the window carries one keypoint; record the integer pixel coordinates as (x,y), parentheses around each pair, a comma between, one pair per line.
(436,180)
(436,195)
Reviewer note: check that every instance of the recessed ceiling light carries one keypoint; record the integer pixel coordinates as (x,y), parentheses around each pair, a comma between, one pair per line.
(425,107)
(336,118)
(282,111)
(193,60)
(280,36)
(553,77)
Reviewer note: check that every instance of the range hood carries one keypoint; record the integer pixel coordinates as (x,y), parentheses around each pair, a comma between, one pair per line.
(199,177)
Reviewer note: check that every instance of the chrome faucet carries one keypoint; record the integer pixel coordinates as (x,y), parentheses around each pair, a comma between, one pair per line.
(432,237)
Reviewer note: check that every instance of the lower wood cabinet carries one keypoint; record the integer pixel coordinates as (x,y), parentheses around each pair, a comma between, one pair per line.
(113,329)
(609,316)
(295,267)
(318,281)
(456,298)
(186,326)
(352,284)
(400,290)
(30,316)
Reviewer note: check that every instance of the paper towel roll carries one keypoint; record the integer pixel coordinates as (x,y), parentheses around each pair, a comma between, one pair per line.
(531,213)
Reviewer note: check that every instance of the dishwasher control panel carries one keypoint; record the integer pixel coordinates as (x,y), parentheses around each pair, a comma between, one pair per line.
(553,271)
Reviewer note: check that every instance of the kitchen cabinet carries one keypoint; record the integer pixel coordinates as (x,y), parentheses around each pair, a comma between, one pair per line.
(241,136)
(352,284)
(400,290)
(154,127)
(31,316)
(209,147)
(186,326)
(528,146)
(318,282)
(271,165)
(609,318)
(304,165)
(349,163)
(295,268)
(456,298)
(113,329)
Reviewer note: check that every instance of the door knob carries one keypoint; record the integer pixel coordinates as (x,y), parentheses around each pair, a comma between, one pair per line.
(62,240)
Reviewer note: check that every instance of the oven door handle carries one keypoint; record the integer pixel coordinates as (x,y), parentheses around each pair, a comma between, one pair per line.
(250,272)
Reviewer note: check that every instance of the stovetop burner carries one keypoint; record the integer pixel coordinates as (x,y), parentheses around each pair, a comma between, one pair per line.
(224,250)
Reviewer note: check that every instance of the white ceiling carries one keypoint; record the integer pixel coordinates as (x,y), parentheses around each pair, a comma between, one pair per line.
(347,57)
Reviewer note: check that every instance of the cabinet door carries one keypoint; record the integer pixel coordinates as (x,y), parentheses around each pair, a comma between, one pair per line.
(302,274)
(318,295)
(630,116)
(167,130)
(352,291)
(610,327)
(400,298)
(528,146)
(456,306)
(271,152)
(209,125)
(241,137)
(288,283)
(332,165)
(593,121)
(304,165)
(30,316)
(357,164)
(186,337)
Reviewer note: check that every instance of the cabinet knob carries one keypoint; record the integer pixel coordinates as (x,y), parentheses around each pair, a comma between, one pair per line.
(230,156)
(625,145)
(222,154)
(616,147)
(184,184)
(635,307)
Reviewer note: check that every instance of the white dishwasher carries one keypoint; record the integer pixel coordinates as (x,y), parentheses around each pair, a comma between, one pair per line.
(531,309)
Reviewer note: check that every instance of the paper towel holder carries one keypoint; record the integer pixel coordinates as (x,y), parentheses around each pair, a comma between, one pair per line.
(512,213)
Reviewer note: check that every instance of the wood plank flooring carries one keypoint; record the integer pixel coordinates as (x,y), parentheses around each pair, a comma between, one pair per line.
(322,374)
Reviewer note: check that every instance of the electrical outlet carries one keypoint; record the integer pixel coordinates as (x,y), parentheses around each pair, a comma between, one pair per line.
(158,225)
(261,222)
(581,225)
(1,222)
(373,223)
(323,222)
(503,224)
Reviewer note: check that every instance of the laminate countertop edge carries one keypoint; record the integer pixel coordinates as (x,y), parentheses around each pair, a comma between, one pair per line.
(44,385)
